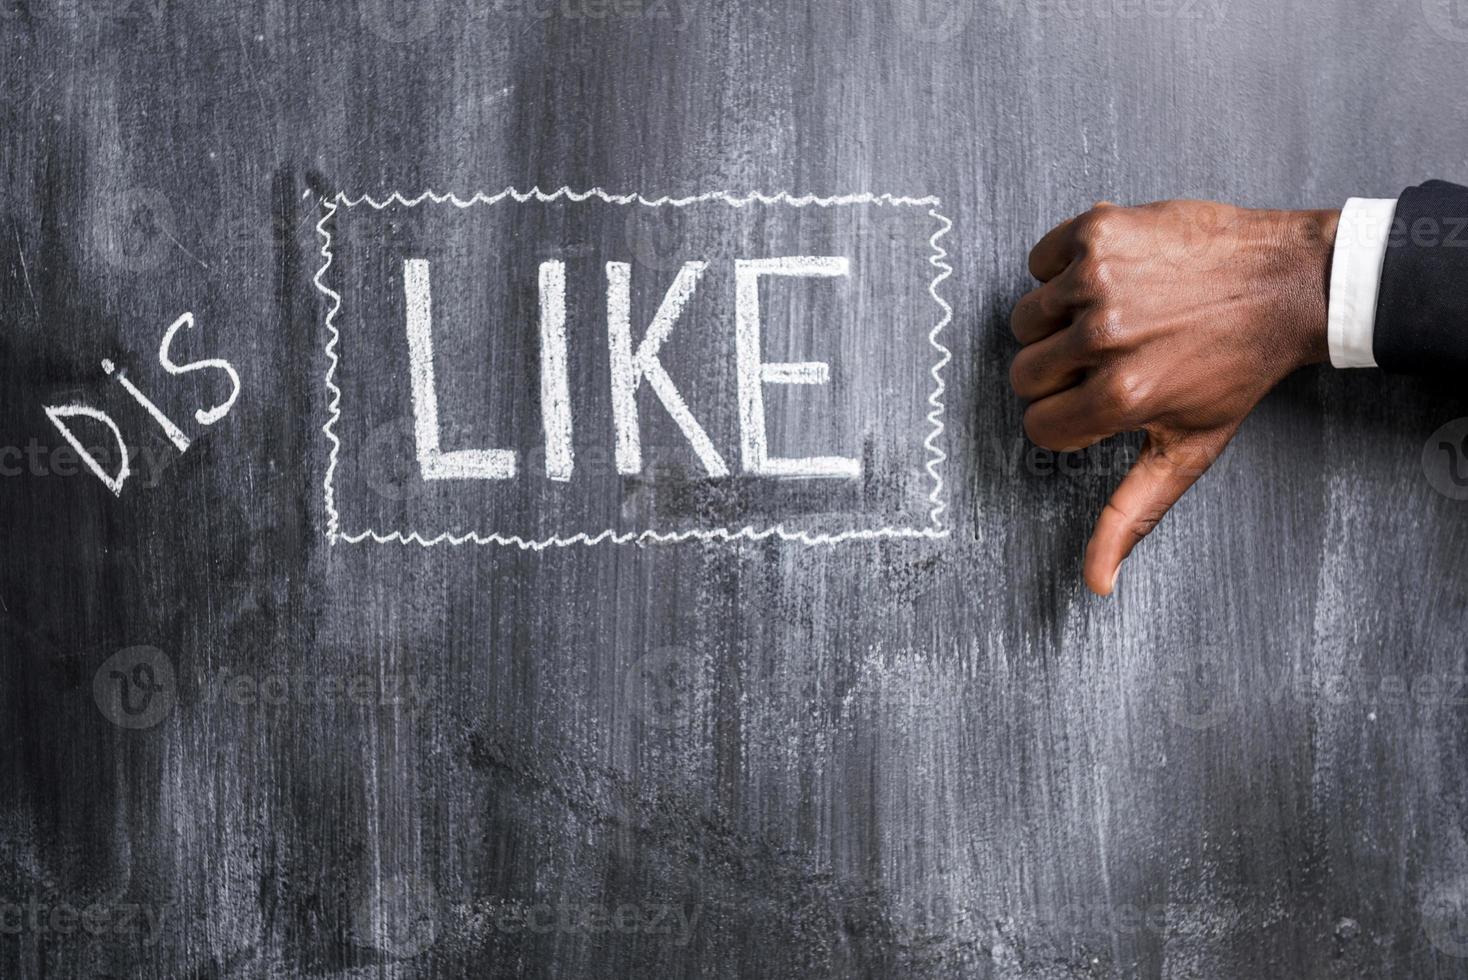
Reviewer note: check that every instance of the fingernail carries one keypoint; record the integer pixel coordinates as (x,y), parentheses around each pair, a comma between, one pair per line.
(1114,576)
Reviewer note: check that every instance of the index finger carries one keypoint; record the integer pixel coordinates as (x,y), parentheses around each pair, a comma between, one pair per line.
(1054,252)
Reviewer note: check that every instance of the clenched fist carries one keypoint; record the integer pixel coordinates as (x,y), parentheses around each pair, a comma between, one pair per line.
(1175,319)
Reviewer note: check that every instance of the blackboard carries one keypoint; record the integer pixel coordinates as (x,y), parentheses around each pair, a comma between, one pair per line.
(246,736)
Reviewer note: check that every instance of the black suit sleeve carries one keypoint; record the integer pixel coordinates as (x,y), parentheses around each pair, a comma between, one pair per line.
(1422,304)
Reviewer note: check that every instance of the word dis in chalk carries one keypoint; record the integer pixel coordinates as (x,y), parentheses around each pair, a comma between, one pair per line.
(59,414)
(631,365)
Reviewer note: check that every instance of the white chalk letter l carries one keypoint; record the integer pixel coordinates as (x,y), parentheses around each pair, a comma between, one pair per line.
(435,463)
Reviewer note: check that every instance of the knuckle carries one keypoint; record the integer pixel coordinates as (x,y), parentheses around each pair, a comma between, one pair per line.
(1049,301)
(1135,526)
(1085,227)
(1017,376)
(1101,331)
(1126,394)
(1023,314)
(1096,225)
(1036,430)
(1095,277)
(1017,318)
(1143,525)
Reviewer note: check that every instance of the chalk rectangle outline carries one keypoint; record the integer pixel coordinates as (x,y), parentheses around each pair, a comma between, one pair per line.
(936,455)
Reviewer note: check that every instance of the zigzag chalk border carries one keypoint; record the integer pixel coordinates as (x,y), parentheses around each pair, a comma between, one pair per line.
(936,455)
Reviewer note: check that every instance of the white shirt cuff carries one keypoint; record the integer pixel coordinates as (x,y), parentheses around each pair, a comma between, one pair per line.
(1355,277)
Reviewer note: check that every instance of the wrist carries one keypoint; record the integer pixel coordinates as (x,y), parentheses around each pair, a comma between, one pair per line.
(1308,249)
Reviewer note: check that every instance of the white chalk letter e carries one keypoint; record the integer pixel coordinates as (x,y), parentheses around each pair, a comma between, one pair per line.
(755,373)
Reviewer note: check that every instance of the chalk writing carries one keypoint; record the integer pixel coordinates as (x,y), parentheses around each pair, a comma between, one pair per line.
(524,365)
(59,414)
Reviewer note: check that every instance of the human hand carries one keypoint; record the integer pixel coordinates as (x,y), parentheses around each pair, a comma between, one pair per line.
(1173,318)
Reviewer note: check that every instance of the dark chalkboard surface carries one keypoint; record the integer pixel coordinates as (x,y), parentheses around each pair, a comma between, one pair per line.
(552,723)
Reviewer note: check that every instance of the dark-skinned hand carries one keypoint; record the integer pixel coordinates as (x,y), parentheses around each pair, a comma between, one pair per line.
(1174,319)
